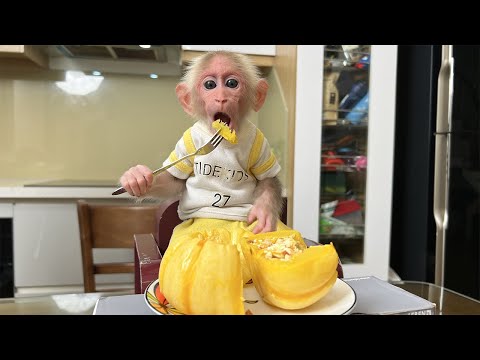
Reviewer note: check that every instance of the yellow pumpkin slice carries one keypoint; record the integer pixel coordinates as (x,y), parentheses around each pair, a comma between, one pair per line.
(285,272)
(201,274)
(225,131)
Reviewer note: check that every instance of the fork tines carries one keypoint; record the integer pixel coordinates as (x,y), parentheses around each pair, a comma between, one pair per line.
(216,140)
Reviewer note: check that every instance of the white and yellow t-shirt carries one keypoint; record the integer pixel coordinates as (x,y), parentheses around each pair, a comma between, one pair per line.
(221,184)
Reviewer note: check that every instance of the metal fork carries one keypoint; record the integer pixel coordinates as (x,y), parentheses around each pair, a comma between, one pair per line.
(208,147)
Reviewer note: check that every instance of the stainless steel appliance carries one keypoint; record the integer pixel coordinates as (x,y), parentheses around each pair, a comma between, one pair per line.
(436,205)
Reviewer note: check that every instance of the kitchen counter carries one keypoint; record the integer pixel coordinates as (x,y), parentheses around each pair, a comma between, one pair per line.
(58,189)
(73,183)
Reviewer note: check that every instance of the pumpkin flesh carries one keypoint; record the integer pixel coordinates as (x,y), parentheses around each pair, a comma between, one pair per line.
(297,281)
(201,274)
(225,131)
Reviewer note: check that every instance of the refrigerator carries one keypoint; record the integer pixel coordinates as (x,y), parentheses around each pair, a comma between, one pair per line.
(436,189)
(343,152)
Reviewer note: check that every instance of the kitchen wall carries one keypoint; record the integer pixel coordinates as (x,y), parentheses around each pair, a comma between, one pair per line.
(46,133)
(273,119)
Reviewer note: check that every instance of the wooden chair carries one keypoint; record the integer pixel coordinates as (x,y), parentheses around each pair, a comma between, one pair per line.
(111,226)
(149,247)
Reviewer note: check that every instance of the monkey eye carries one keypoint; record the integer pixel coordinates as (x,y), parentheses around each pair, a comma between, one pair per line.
(231,83)
(209,84)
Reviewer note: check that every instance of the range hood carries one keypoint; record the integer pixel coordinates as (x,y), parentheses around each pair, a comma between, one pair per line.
(163,60)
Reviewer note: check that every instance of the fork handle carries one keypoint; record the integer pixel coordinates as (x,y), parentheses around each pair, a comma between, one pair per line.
(163,168)
(121,190)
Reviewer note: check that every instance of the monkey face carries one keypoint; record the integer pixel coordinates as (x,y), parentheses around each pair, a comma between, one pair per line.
(221,91)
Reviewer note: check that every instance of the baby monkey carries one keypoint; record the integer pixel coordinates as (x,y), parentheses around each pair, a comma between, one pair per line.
(235,182)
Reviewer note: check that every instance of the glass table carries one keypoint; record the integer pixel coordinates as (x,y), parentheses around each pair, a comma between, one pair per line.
(448,302)
(61,304)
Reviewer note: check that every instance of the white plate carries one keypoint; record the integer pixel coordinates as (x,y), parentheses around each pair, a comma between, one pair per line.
(340,300)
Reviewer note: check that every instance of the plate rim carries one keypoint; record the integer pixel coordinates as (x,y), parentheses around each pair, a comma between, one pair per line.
(350,309)
(152,284)
(145,297)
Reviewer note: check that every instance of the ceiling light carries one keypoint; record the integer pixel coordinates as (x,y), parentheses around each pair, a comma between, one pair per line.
(96,73)
(145,46)
(153,76)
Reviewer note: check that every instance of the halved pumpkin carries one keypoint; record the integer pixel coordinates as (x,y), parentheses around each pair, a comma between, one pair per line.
(285,272)
(201,274)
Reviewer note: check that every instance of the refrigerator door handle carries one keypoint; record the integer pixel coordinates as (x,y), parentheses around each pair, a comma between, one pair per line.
(442,158)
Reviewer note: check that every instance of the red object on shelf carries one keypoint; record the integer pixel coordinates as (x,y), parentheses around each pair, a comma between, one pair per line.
(346,207)
(330,159)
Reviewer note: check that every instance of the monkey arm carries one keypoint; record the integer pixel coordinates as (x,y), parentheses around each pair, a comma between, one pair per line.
(140,182)
(267,206)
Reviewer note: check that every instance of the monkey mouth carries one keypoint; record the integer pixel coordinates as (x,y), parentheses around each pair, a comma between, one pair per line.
(223,117)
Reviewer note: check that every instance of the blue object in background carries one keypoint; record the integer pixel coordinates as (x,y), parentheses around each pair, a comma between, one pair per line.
(356,93)
(359,111)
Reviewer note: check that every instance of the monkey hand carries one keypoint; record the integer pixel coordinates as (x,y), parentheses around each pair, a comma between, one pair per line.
(137,180)
(267,206)
(266,218)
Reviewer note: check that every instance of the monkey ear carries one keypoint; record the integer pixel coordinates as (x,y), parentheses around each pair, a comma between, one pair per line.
(261,94)
(184,97)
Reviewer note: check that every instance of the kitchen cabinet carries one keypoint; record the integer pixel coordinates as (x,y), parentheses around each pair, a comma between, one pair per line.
(46,244)
(344,145)
(26,62)
(268,50)
(6,210)
(46,247)
(261,55)
(30,53)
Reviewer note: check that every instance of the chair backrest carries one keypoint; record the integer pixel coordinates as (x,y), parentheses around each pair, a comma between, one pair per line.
(111,226)
(167,220)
